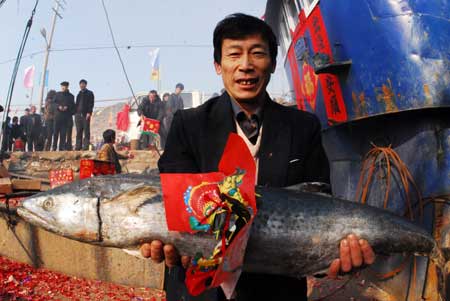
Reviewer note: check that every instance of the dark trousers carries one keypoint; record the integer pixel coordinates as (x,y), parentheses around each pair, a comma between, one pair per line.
(146,140)
(250,287)
(50,127)
(6,142)
(69,131)
(33,140)
(83,132)
(60,133)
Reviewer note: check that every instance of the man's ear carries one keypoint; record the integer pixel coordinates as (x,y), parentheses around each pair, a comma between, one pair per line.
(218,68)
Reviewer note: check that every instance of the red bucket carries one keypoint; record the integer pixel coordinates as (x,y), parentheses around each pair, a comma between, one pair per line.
(19,145)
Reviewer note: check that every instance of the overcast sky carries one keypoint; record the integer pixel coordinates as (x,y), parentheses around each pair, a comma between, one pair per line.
(182,29)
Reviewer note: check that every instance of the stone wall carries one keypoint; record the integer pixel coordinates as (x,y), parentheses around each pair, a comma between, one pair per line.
(38,164)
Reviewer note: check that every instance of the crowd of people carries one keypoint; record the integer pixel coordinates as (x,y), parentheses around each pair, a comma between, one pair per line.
(162,110)
(52,130)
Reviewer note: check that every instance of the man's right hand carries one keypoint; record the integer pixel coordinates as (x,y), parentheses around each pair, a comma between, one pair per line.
(157,251)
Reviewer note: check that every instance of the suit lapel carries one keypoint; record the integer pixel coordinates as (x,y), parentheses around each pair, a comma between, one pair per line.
(220,124)
(275,147)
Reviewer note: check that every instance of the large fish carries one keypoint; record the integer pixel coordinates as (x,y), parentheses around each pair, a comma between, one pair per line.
(294,233)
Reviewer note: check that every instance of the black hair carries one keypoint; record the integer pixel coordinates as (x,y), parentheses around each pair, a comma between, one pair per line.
(239,26)
(51,94)
(166,94)
(153,92)
(83,81)
(66,84)
(109,136)
(15,118)
(179,85)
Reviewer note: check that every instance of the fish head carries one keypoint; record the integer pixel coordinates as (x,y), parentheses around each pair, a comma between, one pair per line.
(73,214)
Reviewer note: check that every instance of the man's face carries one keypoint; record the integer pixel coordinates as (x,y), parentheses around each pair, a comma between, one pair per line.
(152,97)
(33,109)
(245,67)
(178,90)
(27,112)
(64,88)
(82,86)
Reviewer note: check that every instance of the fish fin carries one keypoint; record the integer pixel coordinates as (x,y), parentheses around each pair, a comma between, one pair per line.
(136,197)
(134,252)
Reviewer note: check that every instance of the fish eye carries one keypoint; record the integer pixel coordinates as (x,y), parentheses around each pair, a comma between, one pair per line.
(48,204)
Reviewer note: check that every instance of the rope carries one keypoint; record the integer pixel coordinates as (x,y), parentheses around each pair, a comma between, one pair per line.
(11,224)
(375,160)
(386,159)
(117,50)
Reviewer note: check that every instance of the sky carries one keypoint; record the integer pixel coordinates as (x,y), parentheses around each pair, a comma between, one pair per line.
(181,29)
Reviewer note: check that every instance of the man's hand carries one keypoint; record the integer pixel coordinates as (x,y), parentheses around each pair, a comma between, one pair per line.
(354,252)
(157,251)
(88,116)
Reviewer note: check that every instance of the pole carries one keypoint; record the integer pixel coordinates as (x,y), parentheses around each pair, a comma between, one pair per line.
(47,52)
(31,95)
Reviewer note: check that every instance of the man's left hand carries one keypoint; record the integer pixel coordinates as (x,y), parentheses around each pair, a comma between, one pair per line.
(88,116)
(354,252)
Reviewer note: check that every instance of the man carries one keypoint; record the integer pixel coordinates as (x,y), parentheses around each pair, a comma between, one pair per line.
(65,105)
(285,143)
(34,127)
(24,119)
(16,131)
(84,107)
(165,126)
(49,118)
(150,107)
(174,104)
(7,135)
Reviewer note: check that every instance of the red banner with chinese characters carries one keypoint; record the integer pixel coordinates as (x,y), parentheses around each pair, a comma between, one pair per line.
(221,204)
(150,126)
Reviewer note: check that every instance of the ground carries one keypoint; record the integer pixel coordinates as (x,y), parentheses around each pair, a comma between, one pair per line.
(19,281)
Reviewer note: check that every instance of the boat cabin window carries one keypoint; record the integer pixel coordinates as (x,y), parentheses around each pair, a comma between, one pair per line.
(308,5)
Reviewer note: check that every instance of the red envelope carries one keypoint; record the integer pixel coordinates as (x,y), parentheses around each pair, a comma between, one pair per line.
(200,202)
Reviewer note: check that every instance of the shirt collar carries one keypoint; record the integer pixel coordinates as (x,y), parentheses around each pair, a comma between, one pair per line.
(237,110)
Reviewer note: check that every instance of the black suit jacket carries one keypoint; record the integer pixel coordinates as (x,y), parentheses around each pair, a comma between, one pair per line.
(291,152)
(85,102)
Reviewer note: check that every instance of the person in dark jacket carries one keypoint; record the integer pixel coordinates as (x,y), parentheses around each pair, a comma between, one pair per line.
(65,106)
(24,119)
(34,128)
(175,100)
(49,118)
(284,142)
(174,104)
(84,107)
(16,131)
(7,135)
(165,126)
(150,107)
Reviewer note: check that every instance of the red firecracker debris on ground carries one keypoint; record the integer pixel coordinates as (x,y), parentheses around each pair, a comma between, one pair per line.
(12,202)
(19,281)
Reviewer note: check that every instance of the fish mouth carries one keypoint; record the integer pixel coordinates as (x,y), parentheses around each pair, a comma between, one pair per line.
(35,219)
